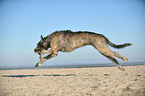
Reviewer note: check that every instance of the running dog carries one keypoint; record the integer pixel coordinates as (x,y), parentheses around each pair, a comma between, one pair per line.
(67,41)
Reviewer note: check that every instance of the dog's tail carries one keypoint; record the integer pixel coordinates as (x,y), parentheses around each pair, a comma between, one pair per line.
(114,45)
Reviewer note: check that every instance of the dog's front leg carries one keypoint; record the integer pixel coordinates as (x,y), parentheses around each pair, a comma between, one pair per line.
(42,60)
(38,64)
(44,52)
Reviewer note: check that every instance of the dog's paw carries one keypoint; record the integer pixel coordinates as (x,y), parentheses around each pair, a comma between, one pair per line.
(121,68)
(37,65)
(125,59)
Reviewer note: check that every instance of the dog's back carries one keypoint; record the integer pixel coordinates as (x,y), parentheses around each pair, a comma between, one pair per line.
(67,41)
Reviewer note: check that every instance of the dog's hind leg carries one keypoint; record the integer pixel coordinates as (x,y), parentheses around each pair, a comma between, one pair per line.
(114,60)
(103,48)
(101,45)
(119,56)
(116,54)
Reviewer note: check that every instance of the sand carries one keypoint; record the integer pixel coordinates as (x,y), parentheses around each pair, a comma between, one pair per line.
(97,81)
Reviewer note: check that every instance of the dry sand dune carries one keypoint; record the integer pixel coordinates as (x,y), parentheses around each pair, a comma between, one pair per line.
(98,81)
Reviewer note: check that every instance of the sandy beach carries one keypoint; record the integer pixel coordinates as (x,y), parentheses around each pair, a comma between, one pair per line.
(97,81)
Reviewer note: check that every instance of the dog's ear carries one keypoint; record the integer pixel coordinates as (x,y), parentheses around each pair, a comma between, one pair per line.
(41,38)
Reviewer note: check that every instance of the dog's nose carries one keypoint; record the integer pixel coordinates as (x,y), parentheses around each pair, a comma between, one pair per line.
(35,50)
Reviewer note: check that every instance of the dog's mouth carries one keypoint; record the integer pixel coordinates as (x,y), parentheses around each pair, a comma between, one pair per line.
(37,51)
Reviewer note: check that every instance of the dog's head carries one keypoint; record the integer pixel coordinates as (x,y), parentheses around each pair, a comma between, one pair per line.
(40,46)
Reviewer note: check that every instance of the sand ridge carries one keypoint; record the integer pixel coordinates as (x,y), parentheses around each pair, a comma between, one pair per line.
(97,81)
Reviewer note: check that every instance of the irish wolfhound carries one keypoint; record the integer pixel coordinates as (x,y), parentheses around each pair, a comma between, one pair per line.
(67,41)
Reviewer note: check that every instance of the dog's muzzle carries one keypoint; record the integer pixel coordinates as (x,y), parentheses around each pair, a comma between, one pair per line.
(37,51)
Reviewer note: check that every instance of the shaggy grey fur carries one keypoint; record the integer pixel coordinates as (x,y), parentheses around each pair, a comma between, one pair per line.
(67,41)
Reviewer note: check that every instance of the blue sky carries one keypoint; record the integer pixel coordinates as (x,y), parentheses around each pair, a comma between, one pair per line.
(23,21)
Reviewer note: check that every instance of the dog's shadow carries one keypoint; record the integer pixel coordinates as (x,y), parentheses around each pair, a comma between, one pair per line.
(22,76)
